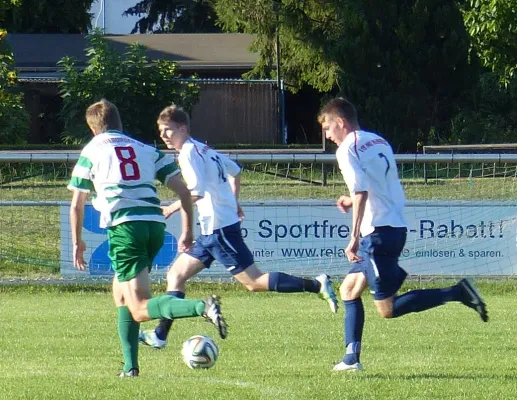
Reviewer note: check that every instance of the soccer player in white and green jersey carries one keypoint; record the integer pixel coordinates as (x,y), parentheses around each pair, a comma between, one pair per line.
(121,172)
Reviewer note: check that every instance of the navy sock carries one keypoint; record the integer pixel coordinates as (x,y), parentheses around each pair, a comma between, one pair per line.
(164,326)
(354,323)
(421,300)
(311,285)
(284,283)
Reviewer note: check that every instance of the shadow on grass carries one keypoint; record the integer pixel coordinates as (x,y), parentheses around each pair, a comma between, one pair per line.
(435,376)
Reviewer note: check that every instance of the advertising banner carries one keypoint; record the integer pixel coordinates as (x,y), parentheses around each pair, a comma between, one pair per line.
(309,237)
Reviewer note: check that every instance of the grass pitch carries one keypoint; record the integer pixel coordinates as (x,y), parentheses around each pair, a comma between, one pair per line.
(61,342)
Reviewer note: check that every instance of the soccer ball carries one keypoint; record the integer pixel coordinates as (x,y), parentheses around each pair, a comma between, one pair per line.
(199,352)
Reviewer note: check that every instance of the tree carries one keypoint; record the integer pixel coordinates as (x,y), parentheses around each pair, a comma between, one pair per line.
(14,120)
(488,114)
(174,16)
(139,87)
(403,63)
(6,6)
(48,16)
(493,28)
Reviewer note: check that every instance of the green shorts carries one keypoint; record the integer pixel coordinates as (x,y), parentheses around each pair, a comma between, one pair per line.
(133,246)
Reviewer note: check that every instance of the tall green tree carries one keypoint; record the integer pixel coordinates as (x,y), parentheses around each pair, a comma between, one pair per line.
(14,120)
(492,25)
(48,16)
(140,88)
(403,63)
(174,16)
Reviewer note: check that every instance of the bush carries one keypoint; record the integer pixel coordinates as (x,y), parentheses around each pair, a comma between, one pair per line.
(139,87)
(14,120)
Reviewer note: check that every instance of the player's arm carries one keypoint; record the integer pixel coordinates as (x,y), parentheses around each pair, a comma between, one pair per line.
(176,206)
(234,179)
(76,221)
(358,207)
(357,182)
(192,170)
(344,203)
(235,184)
(187,215)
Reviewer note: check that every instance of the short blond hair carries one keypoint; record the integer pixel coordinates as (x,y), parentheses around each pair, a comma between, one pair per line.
(339,107)
(175,114)
(103,116)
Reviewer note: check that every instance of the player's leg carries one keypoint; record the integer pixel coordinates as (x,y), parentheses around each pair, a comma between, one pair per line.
(185,267)
(350,291)
(136,295)
(424,299)
(257,281)
(141,307)
(133,245)
(385,250)
(231,251)
(126,330)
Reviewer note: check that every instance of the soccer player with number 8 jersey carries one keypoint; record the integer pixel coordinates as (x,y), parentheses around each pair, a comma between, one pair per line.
(121,173)
(378,232)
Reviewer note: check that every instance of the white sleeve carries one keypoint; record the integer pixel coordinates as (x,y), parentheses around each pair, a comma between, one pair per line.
(355,178)
(192,167)
(232,168)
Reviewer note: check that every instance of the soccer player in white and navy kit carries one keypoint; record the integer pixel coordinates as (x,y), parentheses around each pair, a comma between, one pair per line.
(214,183)
(121,172)
(378,232)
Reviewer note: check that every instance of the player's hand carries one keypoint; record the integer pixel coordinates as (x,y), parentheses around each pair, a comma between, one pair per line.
(167,211)
(352,249)
(78,255)
(240,212)
(344,204)
(185,242)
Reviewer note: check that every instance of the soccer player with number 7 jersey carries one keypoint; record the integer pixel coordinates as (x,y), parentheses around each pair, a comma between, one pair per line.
(214,183)
(121,172)
(378,232)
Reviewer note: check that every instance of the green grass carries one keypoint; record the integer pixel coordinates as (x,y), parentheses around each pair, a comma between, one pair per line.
(59,342)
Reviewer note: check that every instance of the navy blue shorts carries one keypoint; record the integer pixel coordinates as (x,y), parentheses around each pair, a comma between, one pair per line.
(225,245)
(380,251)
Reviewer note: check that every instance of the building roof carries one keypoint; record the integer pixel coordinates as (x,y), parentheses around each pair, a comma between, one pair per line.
(41,52)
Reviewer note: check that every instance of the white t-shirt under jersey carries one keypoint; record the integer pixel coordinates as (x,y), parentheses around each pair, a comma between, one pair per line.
(367,163)
(206,172)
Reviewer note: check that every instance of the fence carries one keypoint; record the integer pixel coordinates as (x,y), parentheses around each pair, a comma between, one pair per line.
(461,213)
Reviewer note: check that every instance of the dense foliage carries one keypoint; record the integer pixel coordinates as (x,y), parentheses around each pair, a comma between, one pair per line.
(420,71)
(14,120)
(492,25)
(140,88)
(411,66)
(174,16)
(48,16)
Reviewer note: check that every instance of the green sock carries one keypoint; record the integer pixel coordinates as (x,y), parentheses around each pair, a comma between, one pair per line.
(171,307)
(128,330)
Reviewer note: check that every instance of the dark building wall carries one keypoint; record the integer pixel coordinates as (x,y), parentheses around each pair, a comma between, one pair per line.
(237,113)
(43,104)
(227,112)
(301,111)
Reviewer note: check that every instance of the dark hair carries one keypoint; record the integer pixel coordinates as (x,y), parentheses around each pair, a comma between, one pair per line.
(339,107)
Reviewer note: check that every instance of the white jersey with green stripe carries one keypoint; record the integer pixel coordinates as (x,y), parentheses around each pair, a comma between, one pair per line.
(121,171)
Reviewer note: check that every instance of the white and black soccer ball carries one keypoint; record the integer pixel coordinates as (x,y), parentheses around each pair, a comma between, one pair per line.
(200,352)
